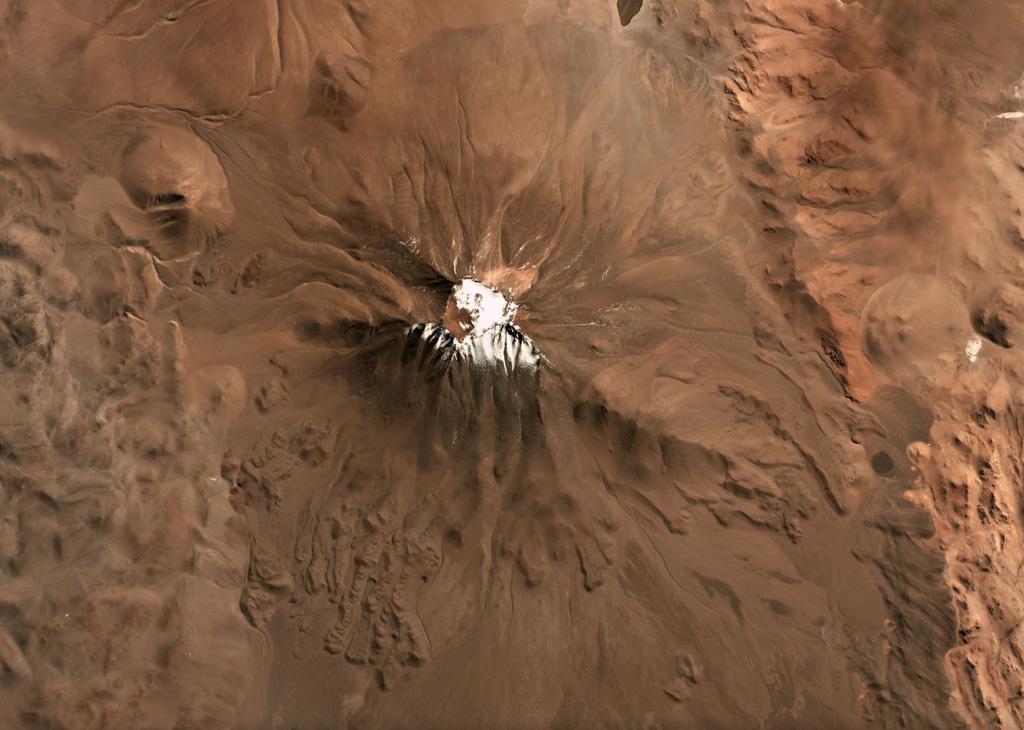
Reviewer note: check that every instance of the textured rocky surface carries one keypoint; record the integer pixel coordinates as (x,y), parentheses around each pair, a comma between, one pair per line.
(743,450)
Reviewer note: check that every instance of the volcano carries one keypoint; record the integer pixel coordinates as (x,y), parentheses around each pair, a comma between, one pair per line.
(511,364)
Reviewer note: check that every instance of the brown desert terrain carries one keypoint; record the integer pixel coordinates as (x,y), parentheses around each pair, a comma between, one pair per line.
(511,364)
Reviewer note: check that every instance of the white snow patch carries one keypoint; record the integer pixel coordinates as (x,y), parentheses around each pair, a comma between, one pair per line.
(973,349)
(489,335)
(486,307)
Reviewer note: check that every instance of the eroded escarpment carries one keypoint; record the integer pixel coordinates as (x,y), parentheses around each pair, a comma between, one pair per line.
(877,143)
(858,172)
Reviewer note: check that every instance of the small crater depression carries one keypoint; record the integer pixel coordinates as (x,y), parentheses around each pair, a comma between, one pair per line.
(167,199)
(882,463)
(998,317)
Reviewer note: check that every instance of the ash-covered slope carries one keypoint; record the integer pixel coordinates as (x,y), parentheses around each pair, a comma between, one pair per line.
(254,476)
